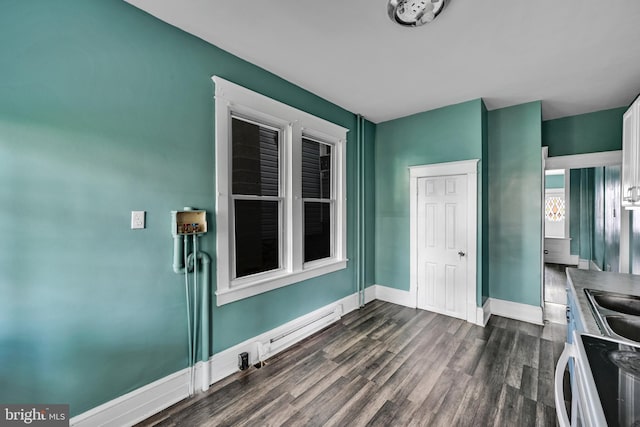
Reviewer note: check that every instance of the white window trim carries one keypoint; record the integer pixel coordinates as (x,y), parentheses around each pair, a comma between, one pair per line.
(231,98)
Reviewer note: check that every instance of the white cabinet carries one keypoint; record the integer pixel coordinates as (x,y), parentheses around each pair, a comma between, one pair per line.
(630,190)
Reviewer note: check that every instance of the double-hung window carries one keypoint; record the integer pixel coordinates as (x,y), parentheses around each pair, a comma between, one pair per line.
(280,185)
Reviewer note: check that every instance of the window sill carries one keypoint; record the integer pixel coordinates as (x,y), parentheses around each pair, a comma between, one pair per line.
(236,293)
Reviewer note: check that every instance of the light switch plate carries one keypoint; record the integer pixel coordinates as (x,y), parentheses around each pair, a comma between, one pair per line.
(137,219)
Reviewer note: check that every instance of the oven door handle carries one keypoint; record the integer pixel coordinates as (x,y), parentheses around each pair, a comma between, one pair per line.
(563,361)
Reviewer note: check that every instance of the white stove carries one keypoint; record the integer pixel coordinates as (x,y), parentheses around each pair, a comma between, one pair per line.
(605,382)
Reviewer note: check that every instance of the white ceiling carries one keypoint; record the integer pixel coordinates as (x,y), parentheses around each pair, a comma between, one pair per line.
(577,56)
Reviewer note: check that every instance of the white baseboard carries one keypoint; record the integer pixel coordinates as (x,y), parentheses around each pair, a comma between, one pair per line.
(594,266)
(562,259)
(515,310)
(583,264)
(492,306)
(370,294)
(483,314)
(139,404)
(395,296)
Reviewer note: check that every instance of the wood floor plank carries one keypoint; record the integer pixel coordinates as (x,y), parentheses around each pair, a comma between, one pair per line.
(376,308)
(487,409)
(448,379)
(421,416)
(305,380)
(297,419)
(435,363)
(508,407)
(277,373)
(239,411)
(463,330)
(529,383)
(555,283)
(384,330)
(364,315)
(407,331)
(524,327)
(272,414)
(546,372)
(330,402)
(305,394)
(399,362)
(385,415)
(368,325)
(263,382)
(370,368)
(545,415)
(400,371)
(405,411)
(527,413)
(390,365)
(468,404)
(554,332)
(346,414)
(373,401)
(420,378)
(450,405)
(520,357)
(467,356)
(479,333)
(341,343)
(357,363)
(494,363)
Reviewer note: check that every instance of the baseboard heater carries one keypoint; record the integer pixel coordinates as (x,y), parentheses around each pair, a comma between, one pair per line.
(296,332)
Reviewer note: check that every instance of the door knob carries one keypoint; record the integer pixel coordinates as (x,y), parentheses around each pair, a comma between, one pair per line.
(461,253)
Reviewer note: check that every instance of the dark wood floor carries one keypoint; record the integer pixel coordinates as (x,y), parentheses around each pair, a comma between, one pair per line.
(555,293)
(555,283)
(389,365)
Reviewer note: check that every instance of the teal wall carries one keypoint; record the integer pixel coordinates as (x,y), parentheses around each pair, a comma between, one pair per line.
(580,134)
(595,236)
(606,225)
(103,110)
(485,205)
(515,194)
(447,134)
(587,210)
(554,181)
(370,203)
(575,195)
(598,217)
(584,133)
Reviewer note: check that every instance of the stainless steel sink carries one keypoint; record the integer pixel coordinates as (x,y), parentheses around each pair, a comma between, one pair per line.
(617,315)
(625,326)
(627,304)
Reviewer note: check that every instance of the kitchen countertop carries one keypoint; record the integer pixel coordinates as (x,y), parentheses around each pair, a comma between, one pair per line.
(600,280)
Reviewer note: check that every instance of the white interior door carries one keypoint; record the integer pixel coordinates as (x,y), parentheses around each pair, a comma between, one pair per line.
(442,244)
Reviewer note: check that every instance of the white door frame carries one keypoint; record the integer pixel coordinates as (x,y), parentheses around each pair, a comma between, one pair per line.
(465,167)
(594,160)
(590,160)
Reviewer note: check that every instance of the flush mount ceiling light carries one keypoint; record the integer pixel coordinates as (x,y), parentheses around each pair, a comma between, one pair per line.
(413,13)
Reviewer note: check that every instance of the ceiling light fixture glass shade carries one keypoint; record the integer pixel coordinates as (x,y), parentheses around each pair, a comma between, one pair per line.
(413,13)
